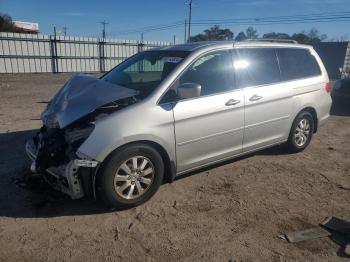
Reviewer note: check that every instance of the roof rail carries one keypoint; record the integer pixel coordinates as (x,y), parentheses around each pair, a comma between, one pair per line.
(273,40)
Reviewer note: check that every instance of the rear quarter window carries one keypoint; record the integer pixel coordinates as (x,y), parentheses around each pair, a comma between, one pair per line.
(297,63)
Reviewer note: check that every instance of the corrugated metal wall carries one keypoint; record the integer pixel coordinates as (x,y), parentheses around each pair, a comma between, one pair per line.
(346,67)
(333,55)
(30,53)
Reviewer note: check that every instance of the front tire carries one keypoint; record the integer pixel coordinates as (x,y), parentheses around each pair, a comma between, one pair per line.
(301,132)
(130,176)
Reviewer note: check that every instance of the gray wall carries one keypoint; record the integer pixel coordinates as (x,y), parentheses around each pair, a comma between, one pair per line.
(334,56)
(30,53)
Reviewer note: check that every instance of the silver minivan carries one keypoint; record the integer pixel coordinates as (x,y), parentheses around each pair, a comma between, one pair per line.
(170,110)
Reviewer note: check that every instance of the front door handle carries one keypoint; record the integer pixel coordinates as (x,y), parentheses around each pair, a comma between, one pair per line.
(255,98)
(232,102)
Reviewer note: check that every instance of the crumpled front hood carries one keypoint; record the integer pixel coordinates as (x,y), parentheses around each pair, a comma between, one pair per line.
(81,95)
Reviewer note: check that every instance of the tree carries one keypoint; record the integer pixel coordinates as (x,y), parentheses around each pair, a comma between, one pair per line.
(241,36)
(314,36)
(214,33)
(6,24)
(251,33)
(274,35)
(311,37)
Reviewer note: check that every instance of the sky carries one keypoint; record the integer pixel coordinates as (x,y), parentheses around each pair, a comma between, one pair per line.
(83,17)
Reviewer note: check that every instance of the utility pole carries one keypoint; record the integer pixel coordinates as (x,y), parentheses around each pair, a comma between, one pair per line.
(174,39)
(65,30)
(54,31)
(104,23)
(189,20)
(185,39)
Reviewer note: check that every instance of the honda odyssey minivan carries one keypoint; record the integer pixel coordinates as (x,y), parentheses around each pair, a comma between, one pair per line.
(171,110)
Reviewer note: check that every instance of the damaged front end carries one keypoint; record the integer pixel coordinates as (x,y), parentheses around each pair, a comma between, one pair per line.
(68,120)
(54,155)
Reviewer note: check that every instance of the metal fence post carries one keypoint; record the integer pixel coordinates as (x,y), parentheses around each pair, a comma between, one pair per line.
(140,45)
(53,50)
(101,55)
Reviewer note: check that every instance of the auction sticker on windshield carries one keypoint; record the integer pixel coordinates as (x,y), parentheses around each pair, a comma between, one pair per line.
(168,59)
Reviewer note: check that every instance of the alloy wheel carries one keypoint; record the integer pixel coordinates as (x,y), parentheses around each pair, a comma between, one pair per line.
(302,132)
(134,177)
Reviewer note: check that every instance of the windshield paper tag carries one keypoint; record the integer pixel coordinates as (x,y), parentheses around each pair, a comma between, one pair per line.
(172,59)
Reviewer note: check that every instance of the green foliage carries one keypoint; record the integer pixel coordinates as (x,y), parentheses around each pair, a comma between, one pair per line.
(241,36)
(214,33)
(311,37)
(251,33)
(6,24)
(274,35)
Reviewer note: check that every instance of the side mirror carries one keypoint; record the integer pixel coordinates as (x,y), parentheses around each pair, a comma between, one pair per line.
(189,90)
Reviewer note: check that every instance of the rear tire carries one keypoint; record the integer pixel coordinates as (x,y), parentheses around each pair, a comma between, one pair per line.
(130,176)
(301,132)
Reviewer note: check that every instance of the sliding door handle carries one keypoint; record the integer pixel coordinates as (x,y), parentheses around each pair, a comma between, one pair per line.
(232,102)
(255,98)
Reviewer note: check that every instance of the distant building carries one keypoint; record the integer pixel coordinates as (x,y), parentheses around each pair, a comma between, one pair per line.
(336,58)
(27,26)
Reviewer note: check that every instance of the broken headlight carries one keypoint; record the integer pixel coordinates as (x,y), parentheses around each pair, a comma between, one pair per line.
(50,120)
(78,135)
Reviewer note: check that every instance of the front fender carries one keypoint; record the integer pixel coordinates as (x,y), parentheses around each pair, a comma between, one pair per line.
(137,123)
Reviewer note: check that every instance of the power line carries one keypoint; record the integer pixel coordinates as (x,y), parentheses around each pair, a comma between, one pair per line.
(340,16)
(278,20)
(150,28)
(278,17)
(272,23)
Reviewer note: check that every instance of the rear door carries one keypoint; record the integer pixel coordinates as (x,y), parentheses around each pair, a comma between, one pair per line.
(210,127)
(268,102)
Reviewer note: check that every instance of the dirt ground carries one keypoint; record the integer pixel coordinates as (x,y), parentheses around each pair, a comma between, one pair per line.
(230,212)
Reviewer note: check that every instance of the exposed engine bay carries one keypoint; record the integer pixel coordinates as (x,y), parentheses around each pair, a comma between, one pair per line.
(67,122)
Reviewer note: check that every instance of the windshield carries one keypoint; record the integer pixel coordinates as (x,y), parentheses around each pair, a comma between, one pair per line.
(145,71)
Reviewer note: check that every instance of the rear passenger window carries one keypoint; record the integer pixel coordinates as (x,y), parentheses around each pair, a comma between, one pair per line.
(256,66)
(297,63)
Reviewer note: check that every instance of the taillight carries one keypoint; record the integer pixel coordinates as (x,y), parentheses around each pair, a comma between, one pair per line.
(328,87)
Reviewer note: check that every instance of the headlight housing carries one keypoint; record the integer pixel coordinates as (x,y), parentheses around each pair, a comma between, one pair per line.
(50,120)
(78,135)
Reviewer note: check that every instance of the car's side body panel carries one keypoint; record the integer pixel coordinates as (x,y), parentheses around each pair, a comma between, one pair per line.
(128,125)
(202,132)
(207,129)
(267,119)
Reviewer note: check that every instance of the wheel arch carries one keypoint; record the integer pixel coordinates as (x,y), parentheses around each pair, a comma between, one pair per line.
(169,165)
(313,112)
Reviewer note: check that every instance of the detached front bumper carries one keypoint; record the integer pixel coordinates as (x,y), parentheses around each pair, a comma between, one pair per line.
(65,177)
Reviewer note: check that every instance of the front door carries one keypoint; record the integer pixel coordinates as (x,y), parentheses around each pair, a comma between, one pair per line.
(210,127)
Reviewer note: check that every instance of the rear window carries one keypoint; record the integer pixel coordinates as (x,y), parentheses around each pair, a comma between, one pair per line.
(256,66)
(297,63)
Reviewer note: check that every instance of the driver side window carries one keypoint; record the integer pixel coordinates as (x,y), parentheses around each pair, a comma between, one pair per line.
(213,71)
